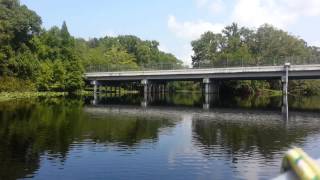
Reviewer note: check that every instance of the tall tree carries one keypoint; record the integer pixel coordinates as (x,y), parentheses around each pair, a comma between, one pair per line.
(18,25)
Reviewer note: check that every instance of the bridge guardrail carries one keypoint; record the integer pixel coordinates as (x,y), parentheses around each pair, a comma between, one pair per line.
(222,63)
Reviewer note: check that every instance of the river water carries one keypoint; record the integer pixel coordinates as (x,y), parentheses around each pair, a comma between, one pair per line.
(180,136)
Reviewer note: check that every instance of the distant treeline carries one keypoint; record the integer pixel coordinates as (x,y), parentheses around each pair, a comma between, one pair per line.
(267,45)
(35,59)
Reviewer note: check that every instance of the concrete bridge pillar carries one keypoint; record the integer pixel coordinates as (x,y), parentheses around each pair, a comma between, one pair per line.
(144,102)
(95,91)
(95,86)
(206,83)
(144,82)
(285,108)
(285,79)
(210,87)
(206,104)
(207,90)
(284,85)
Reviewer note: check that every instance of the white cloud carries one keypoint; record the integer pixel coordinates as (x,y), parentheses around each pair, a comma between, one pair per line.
(280,13)
(255,13)
(188,31)
(191,30)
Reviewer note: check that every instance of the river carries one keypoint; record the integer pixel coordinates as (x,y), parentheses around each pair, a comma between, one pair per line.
(176,136)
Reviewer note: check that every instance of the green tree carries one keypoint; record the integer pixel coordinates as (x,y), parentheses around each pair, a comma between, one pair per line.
(45,76)
(74,79)
(59,76)
(18,25)
(24,65)
(120,58)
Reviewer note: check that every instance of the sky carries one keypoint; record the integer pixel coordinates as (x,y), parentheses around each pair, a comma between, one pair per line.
(175,23)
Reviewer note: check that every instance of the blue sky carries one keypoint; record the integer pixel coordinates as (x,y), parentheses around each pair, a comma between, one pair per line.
(175,23)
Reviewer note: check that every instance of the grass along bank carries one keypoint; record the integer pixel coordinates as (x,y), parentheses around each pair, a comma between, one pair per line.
(5,96)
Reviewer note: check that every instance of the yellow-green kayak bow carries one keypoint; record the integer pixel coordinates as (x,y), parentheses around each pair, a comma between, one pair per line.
(304,167)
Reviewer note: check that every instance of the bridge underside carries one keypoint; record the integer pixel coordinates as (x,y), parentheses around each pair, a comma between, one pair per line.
(156,79)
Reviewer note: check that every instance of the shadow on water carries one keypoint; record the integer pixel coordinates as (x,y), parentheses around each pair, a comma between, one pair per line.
(238,127)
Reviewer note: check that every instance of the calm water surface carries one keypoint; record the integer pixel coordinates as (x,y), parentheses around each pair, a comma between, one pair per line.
(182,136)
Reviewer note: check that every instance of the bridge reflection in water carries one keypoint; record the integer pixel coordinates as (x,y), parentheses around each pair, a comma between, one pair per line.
(192,102)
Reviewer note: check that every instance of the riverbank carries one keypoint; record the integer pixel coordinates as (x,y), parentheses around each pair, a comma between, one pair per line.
(269,92)
(6,96)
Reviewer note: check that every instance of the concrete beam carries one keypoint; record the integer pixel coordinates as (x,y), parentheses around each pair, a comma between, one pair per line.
(236,73)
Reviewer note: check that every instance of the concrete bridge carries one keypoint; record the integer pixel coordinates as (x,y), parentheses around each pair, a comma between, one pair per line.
(155,80)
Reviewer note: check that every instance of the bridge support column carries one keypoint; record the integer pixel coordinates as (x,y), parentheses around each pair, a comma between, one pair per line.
(95,86)
(285,79)
(206,83)
(210,87)
(285,108)
(95,91)
(284,85)
(206,104)
(144,82)
(206,93)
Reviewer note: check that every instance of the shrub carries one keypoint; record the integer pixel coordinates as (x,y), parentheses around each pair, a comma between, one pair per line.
(13,84)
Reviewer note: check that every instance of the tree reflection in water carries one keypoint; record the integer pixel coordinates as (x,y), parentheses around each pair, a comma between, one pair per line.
(263,136)
(30,129)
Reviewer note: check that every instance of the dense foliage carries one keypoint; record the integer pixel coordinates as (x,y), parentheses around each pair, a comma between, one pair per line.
(53,60)
(237,46)
(127,52)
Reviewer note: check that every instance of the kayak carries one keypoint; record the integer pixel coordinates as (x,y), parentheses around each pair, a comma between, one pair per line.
(298,165)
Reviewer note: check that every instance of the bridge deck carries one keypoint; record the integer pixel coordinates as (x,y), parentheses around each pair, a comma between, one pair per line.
(257,72)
